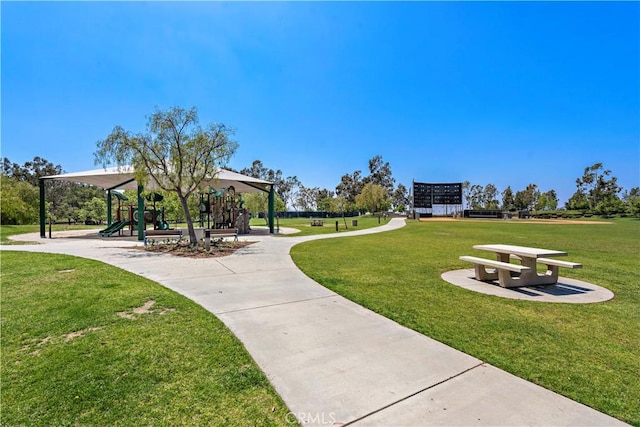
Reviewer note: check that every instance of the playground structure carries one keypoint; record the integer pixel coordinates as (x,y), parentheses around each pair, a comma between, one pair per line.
(222,209)
(219,209)
(122,177)
(128,216)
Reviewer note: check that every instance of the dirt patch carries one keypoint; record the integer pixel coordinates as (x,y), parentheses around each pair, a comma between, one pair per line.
(77,334)
(146,308)
(35,347)
(564,221)
(219,249)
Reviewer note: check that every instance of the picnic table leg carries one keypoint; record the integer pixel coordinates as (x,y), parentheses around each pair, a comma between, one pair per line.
(505,258)
(512,279)
(507,280)
(483,274)
(532,278)
(552,273)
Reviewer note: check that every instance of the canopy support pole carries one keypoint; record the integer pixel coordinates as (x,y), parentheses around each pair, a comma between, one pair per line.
(43,233)
(140,214)
(108,208)
(272,197)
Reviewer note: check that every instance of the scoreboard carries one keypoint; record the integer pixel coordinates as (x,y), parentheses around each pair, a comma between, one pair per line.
(426,195)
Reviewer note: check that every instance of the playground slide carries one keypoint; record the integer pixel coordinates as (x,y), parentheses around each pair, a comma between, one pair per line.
(113,228)
(109,228)
(119,227)
(106,230)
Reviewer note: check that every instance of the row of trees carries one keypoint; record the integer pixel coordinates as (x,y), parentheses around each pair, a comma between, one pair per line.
(597,192)
(374,192)
(65,201)
(489,198)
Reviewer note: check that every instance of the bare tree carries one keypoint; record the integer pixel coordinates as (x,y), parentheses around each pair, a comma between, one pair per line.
(175,153)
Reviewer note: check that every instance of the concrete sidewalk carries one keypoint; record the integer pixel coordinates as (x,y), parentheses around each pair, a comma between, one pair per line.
(333,361)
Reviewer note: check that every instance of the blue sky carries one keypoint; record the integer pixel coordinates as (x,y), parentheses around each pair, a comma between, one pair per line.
(508,93)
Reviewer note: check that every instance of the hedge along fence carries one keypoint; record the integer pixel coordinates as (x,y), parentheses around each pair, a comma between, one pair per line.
(313,214)
(575,214)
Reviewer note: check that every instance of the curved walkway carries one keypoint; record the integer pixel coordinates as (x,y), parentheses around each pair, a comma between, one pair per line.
(333,361)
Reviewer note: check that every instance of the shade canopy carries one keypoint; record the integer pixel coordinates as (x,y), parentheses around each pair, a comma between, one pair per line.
(122,178)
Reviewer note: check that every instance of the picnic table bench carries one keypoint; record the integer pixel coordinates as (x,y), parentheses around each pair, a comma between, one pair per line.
(510,275)
(223,232)
(317,223)
(165,234)
(177,234)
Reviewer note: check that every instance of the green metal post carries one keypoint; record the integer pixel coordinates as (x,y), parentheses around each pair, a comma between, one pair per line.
(42,209)
(108,208)
(140,214)
(272,200)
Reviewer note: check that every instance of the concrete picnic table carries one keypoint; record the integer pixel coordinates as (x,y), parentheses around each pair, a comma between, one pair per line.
(524,274)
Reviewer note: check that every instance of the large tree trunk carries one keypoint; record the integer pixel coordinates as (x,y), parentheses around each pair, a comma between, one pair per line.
(187,215)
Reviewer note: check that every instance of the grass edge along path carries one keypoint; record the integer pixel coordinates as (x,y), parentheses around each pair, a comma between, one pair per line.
(587,352)
(11,230)
(300,223)
(329,224)
(88,343)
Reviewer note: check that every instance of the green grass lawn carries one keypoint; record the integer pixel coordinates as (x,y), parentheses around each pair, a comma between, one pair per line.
(302,224)
(75,352)
(12,230)
(329,226)
(587,352)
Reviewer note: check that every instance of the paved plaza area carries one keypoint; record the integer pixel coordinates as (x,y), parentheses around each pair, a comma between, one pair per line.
(333,361)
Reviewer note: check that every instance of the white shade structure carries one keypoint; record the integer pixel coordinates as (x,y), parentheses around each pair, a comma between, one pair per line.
(122,178)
